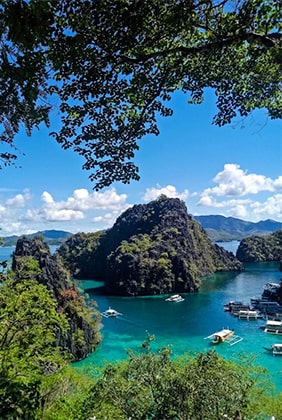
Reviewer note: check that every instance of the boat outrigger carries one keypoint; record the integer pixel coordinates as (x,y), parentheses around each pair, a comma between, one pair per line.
(175,298)
(110,313)
(275,349)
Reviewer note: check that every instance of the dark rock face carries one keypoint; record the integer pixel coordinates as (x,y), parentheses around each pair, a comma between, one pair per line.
(261,248)
(154,249)
(82,336)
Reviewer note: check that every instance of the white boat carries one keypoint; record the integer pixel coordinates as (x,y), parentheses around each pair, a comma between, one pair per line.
(235,306)
(110,313)
(275,349)
(275,317)
(273,327)
(222,335)
(175,298)
(249,315)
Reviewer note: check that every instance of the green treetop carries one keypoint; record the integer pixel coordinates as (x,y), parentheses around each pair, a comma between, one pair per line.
(28,353)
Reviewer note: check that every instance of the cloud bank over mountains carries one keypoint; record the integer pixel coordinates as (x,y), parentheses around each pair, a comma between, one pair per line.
(233,192)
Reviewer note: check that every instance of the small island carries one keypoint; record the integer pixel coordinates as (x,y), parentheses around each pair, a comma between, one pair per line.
(152,249)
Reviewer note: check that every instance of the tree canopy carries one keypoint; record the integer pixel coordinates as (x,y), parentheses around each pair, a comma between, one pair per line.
(28,351)
(109,68)
(154,385)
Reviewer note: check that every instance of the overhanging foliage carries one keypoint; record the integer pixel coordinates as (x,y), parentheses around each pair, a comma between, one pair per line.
(112,65)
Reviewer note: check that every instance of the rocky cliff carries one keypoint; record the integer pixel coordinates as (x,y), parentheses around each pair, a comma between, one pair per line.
(261,248)
(153,249)
(83,334)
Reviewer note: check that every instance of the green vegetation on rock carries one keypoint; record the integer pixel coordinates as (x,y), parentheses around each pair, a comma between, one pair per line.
(261,248)
(29,352)
(152,248)
(32,260)
(77,253)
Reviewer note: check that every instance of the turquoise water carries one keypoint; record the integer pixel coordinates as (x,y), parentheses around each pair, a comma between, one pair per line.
(186,325)
(6,252)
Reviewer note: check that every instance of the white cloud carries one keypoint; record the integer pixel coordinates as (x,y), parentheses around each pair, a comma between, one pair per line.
(19,200)
(233,181)
(47,198)
(278,183)
(270,208)
(78,212)
(207,201)
(169,191)
(106,219)
(74,207)
(240,211)
(52,214)
(82,200)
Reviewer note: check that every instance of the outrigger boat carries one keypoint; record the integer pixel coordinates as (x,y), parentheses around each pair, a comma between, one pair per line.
(275,349)
(225,335)
(221,336)
(175,298)
(110,313)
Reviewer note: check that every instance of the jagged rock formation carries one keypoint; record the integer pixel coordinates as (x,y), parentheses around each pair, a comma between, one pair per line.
(151,249)
(261,248)
(83,334)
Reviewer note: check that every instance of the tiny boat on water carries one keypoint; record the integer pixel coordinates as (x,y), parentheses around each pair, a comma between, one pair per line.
(226,335)
(275,349)
(110,313)
(221,336)
(249,315)
(175,298)
(234,307)
(231,304)
(273,327)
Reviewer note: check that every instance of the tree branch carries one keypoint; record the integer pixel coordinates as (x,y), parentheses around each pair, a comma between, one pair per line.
(267,41)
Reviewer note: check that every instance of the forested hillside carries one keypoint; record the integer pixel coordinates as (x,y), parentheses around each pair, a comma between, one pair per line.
(51,237)
(221,228)
(261,248)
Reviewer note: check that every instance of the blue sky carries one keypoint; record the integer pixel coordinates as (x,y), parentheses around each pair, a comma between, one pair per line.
(234,170)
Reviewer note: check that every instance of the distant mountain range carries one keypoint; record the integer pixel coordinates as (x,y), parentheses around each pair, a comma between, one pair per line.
(221,228)
(218,228)
(51,237)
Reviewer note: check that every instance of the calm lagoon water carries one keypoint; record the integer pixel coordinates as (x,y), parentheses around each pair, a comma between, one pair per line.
(185,325)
